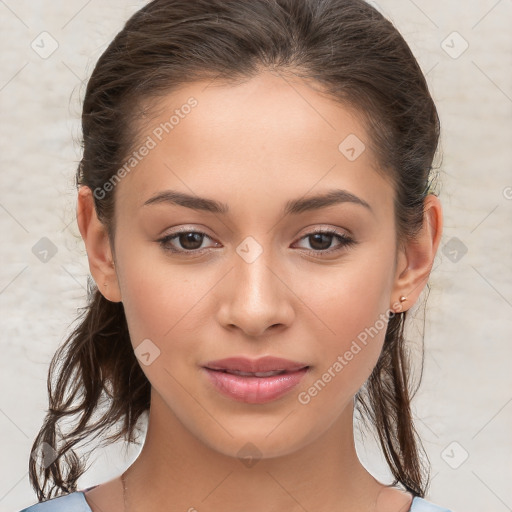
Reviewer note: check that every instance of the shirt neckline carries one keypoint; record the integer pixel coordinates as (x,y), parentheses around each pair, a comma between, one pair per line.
(82,492)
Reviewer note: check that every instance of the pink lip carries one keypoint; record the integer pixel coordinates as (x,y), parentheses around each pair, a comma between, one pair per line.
(263,364)
(254,390)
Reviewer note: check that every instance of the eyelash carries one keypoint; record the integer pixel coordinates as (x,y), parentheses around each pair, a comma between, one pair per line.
(345,241)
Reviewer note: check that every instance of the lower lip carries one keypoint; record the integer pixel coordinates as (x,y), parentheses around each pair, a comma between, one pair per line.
(255,390)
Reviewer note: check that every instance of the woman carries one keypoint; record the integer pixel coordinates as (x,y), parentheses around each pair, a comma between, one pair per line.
(255,197)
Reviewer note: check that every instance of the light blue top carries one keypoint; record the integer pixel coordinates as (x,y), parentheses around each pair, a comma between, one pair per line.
(75,502)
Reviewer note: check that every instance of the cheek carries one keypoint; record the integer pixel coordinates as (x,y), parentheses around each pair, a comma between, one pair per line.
(165,307)
(164,303)
(350,298)
(349,316)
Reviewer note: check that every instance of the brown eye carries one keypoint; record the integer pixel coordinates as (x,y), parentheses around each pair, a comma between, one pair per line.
(190,241)
(320,241)
(184,241)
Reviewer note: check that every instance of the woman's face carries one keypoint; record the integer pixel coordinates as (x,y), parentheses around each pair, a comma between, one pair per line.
(258,282)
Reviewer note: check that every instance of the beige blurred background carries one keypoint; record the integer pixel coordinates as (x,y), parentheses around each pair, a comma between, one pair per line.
(464,407)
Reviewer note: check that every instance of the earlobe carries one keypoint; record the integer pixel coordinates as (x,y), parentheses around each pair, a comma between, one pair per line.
(415,264)
(97,244)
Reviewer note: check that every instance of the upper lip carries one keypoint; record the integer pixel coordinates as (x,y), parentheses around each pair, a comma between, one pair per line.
(264,364)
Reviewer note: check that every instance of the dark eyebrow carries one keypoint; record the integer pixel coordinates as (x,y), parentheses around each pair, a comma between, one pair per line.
(292,207)
(328,198)
(188,201)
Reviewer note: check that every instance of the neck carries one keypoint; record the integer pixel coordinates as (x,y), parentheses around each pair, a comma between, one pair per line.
(182,472)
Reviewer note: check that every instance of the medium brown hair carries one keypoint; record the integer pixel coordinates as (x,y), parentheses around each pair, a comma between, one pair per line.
(95,384)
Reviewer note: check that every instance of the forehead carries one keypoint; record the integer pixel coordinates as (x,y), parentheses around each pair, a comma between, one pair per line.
(270,138)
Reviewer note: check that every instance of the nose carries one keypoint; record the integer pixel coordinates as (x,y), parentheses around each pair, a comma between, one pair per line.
(255,297)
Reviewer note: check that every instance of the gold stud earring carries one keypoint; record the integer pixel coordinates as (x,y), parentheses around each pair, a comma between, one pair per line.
(402,299)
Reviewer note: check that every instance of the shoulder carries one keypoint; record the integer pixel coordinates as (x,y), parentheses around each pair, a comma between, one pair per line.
(73,502)
(422,505)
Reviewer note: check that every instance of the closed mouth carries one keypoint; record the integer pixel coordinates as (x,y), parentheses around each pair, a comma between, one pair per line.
(257,374)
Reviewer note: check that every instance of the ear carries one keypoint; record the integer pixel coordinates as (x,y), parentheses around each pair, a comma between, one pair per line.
(97,244)
(416,261)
